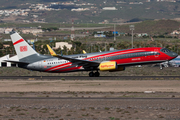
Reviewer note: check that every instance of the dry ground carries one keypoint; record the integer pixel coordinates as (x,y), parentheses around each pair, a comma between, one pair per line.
(110,109)
(89,109)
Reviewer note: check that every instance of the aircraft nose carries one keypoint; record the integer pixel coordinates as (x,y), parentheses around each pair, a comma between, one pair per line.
(173,54)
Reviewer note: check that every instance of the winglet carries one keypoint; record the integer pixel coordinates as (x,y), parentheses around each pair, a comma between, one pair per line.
(84,52)
(51,51)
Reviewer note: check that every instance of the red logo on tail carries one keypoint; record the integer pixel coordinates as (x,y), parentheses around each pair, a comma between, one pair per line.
(23,48)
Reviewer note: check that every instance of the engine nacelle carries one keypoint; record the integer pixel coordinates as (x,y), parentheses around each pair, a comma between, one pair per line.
(110,66)
(106,66)
(118,69)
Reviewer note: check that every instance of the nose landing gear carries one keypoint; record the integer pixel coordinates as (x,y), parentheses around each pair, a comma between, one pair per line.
(92,74)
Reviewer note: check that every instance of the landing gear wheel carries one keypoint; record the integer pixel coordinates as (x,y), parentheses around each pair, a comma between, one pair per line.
(96,74)
(91,74)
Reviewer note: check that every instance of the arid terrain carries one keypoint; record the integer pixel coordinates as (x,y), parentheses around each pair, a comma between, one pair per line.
(82,99)
(63,99)
(115,109)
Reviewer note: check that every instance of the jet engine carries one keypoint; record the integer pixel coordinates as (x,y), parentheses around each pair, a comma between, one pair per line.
(110,66)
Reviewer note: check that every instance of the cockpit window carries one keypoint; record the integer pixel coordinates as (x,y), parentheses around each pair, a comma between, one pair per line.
(165,50)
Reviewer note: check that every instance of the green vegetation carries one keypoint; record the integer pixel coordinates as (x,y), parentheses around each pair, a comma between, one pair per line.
(51,25)
(68,115)
(93,45)
(159,27)
(158,30)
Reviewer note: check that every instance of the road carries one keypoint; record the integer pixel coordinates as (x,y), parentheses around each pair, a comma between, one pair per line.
(86,98)
(92,78)
(83,28)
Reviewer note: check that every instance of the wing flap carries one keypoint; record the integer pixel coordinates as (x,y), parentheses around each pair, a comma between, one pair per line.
(79,61)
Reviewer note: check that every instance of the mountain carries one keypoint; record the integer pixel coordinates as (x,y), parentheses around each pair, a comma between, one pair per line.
(126,10)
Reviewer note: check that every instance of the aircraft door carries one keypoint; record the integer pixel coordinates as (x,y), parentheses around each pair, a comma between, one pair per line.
(156,53)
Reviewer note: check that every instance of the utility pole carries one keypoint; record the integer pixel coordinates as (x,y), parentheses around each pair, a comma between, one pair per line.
(132,28)
(115,32)
(72,31)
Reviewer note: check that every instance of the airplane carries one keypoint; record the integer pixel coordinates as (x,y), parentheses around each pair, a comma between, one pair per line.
(84,52)
(53,53)
(110,61)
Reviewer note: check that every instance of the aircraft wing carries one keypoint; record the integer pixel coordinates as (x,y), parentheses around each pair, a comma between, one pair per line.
(73,60)
(18,62)
(78,61)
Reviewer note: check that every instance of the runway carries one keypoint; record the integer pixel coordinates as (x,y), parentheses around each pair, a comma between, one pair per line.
(83,97)
(91,78)
(86,98)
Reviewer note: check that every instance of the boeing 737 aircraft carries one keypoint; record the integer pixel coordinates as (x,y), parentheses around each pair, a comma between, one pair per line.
(111,61)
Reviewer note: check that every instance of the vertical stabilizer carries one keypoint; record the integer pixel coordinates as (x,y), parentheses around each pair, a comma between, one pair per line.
(23,50)
(51,51)
(84,52)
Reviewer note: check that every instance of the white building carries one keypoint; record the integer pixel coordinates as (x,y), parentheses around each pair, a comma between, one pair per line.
(176,32)
(80,9)
(8,30)
(62,44)
(33,31)
(109,8)
(2,30)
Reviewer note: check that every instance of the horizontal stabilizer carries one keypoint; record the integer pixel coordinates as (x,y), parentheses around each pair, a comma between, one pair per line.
(18,62)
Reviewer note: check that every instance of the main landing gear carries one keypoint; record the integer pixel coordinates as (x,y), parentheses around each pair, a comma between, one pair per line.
(92,74)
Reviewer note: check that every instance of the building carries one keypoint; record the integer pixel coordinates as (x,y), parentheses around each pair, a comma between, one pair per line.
(142,34)
(99,35)
(2,30)
(32,31)
(80,9)
(62,44)
(109,8)
(6,45)
(176,32)
(8,30)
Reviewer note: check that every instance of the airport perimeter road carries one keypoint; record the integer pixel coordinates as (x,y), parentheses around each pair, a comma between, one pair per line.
(91,78)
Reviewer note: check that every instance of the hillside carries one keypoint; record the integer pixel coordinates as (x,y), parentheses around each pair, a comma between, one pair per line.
(126,12)
(152,27)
